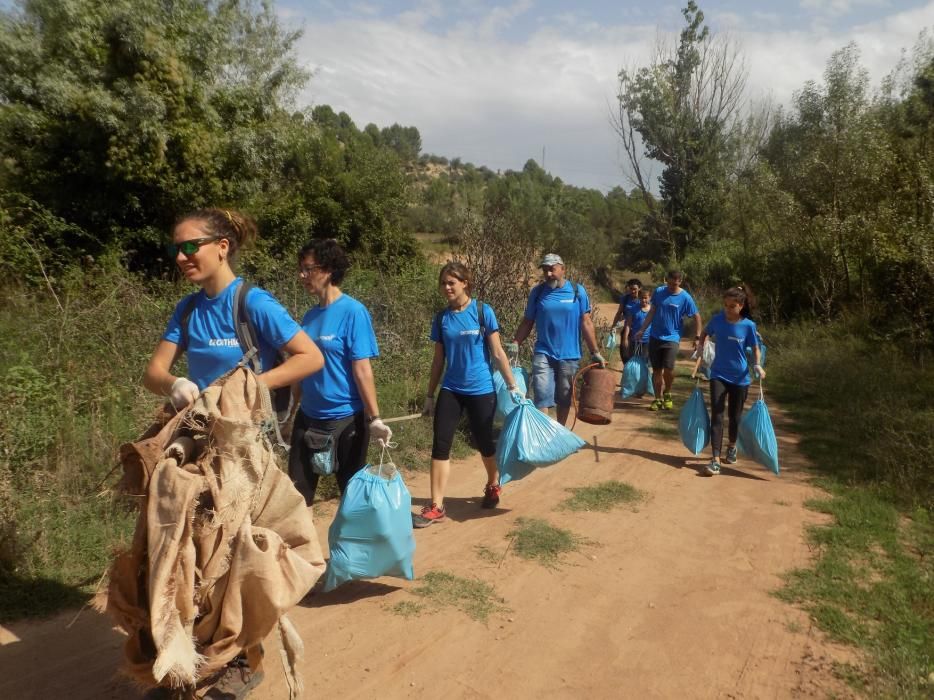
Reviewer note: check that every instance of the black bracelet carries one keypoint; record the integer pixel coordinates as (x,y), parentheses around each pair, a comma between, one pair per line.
(370,419)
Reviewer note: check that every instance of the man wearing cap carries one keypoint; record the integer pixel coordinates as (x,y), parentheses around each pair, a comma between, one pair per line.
(560,311)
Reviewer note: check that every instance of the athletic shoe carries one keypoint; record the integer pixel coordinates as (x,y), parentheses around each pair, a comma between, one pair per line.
(236,682)
(712,469)
(491,495)
(730,455)
(430,514)
(667,403)
(656,405)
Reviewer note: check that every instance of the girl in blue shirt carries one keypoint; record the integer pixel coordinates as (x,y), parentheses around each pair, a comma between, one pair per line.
(464,343)
(338,411)
(733,332)
(204,243)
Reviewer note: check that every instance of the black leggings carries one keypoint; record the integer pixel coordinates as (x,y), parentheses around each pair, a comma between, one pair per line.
(719,391)
(480,411)
(351,438)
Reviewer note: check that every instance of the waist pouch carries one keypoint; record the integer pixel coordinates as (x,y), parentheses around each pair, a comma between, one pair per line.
(320,446)
(321,443)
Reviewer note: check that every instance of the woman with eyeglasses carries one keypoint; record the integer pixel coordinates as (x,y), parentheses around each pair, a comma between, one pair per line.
(338,411)
(204,245)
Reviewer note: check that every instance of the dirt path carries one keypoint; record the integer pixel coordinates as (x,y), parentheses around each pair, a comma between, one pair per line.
(673,600)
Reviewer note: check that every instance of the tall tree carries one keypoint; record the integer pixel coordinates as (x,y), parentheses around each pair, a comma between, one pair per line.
(680,111)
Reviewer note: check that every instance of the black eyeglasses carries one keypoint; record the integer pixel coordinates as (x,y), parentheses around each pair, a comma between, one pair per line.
(188,248)
(305,270)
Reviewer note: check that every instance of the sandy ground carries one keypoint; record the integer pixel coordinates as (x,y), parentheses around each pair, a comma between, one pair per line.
(672,599)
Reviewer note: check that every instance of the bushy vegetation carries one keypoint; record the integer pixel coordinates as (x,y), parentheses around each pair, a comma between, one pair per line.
(868,428)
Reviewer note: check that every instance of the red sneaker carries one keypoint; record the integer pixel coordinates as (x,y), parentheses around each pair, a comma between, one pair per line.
(430,514)
(491,495)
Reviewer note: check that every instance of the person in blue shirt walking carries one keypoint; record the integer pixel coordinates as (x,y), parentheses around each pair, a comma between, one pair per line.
(465,343)
(670,305)
(628,305)
(734,332)
(634,319)
(204,245)
(338,412)
(560,311)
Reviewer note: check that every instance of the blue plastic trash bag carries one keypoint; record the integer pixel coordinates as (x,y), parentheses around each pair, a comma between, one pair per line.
(531,439)
(637,378)
(372,532)
(756,437)
(694,423)
(612,342)
(504,403)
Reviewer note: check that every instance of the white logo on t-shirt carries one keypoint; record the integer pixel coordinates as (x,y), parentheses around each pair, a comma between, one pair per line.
(566,301)
(475,331)
(223,343)
(327,338)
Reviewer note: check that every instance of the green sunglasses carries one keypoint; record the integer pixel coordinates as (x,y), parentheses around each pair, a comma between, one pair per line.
(188,248)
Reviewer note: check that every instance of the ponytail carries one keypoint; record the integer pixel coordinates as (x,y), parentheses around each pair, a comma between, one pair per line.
(239,229)
(742,293)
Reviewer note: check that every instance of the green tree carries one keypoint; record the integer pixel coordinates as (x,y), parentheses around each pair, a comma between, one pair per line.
(681,111)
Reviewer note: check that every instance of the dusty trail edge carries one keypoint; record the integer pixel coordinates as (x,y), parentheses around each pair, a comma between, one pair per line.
(671,599)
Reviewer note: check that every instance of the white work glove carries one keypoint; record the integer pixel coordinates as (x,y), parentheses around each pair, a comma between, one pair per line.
(183,392)
(516,396)
(380,432)
(429,408)
(597,357)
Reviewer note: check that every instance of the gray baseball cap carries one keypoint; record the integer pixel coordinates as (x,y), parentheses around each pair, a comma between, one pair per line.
(551,259)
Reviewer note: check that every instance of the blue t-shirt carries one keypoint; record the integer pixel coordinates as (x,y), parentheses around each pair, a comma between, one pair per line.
(670,309)
(630,306)
(558,319)
(732,339)
(635,321)
(343,331)
(467,354)
(213,349)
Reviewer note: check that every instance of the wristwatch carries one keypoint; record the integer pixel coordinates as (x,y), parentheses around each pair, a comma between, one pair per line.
(370,419)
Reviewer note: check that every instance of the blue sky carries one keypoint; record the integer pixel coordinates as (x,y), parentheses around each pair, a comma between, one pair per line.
(493,82)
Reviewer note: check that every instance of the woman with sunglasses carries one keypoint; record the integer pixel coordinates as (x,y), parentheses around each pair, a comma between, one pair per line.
(204,244)
(338,411)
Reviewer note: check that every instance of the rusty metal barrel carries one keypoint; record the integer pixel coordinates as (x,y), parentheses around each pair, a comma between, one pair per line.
(597,396)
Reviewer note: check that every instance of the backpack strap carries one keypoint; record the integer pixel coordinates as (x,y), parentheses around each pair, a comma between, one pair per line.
(480,320)
(243,327)
(541,288)
(183,321)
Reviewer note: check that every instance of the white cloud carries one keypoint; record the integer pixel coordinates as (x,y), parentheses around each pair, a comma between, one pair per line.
(473,94)
(840,7)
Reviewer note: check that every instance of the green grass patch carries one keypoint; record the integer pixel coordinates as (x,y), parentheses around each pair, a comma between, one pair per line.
(407,608)
(872,582)
(601,497)
(475,598)
(538,540)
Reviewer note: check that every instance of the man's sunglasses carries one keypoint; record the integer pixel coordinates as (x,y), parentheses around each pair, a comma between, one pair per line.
(188,248)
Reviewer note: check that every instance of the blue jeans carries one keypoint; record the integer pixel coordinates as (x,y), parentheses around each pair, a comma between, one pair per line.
(551,380)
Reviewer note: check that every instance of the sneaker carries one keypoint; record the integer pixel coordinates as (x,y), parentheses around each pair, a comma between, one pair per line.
(235,682)
(712,469)
(430,514)
(730,455)
(667,403)
(491,495)
(656,405)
